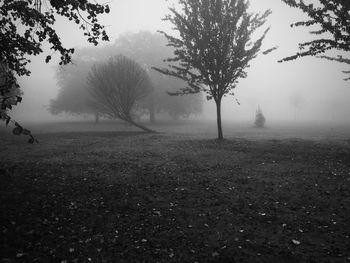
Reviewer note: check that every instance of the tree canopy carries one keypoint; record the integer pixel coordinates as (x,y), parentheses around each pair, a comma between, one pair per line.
(214,46)
(73,96)
(37,19)
(146,48)
(150,49)
(37,26)
(333,19)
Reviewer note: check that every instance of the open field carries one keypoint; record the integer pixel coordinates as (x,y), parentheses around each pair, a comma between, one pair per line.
(107,193)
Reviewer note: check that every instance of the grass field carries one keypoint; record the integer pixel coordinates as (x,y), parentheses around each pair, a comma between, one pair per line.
(108,193)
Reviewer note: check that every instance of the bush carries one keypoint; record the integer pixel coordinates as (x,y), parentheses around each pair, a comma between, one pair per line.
(259,119)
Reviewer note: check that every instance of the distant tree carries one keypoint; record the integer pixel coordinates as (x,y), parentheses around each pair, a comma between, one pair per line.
(73,96)
(259,119)
(297,103)
(333,18)
(148,49)
(214,48)
(26,24)
(117,85)
(178,106)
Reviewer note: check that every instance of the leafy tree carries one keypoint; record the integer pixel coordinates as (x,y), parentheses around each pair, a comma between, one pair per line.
(73,96)
(146,48)
(117,85)
(149,49)
(333,18)
(176,106)
(37,22)
(214,48)
(259,119)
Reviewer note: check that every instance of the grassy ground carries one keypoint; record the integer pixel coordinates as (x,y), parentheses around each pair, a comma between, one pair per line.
(132,197)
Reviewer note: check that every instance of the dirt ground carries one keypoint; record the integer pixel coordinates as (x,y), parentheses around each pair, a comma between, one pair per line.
(118,196)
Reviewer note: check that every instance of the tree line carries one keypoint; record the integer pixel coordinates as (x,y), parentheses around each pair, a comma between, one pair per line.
(80,92)
(211,52)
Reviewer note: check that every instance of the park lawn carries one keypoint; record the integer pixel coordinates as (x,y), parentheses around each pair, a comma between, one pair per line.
(136,197)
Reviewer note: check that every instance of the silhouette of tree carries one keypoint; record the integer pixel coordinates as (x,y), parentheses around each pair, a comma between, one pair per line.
(37,22)
(297,103)
(259,119)
(116,86)
(146,48)
(73,96)
(214,48)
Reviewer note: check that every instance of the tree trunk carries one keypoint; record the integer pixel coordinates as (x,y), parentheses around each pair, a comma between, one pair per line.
(140,126)
(218,118)
(152,113)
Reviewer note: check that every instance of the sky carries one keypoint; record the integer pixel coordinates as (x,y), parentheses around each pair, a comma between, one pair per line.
(270,85)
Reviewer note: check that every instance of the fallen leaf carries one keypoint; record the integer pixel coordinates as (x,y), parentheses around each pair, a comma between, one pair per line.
(296,242)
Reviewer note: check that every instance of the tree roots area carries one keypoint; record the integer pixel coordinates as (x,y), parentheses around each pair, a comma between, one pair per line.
(137,197)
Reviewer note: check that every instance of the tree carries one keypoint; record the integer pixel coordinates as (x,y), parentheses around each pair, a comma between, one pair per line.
(214,48)
(259,119)
(37,22)
(333,18)
(146,48)
(297,103)
(176,106)
(117,85)
(149,49)
(73,96)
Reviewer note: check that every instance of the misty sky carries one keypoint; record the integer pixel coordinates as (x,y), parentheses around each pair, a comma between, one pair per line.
(270,85)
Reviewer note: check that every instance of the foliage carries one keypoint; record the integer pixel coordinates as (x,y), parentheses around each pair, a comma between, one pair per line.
(10,94)
(149,49)
(73,96)
(214,48)
(117,85)
(259,119)
(333,18)
(146,48)
(38,27)
(37,20)
(176,106)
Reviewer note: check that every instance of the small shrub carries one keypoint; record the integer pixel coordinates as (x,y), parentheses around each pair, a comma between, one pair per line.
(259,119)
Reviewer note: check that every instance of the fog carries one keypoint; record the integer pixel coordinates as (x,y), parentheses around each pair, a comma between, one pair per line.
(318,84)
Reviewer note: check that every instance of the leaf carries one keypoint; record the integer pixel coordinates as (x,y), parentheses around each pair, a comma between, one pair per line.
(48,58)
(296,242)
(215,254)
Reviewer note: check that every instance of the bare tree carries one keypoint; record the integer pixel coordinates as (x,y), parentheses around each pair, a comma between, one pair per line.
(117,85)
(215,46)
